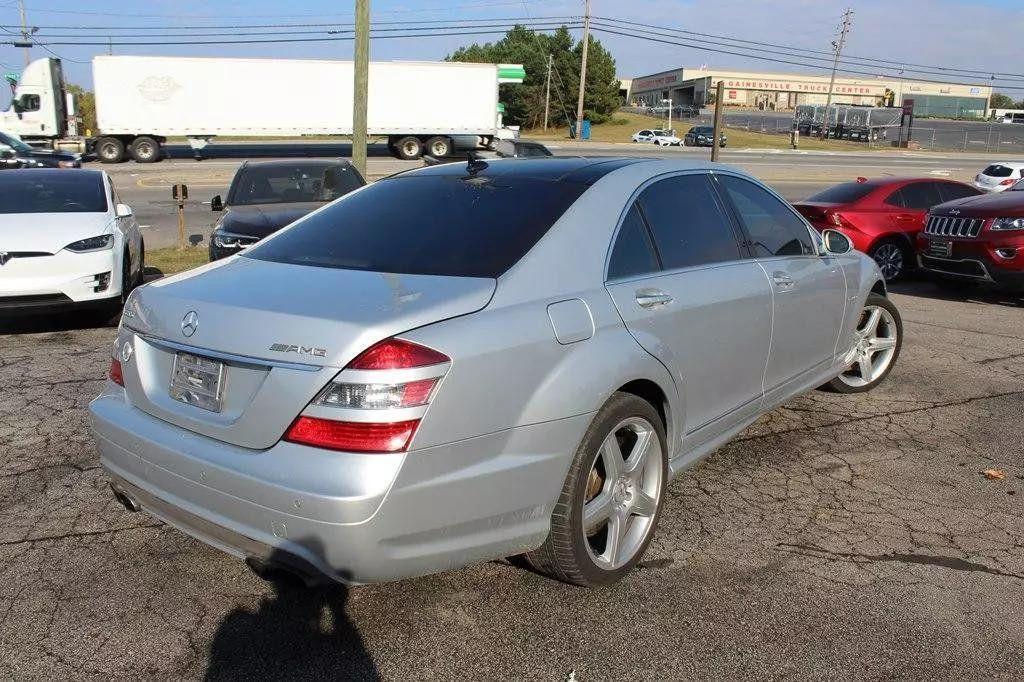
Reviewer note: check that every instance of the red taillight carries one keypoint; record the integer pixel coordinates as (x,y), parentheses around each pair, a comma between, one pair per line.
(115,372)
(397,354)
(352,436)
(1008,182)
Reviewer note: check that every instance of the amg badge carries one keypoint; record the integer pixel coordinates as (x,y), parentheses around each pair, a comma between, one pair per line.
(300,350)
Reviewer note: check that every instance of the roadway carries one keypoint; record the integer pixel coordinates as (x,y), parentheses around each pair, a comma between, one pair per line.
(795,175)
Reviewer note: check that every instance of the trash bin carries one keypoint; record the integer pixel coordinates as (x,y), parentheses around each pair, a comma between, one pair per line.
(585,130)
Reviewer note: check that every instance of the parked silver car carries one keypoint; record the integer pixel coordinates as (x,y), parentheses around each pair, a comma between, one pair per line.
(459,363)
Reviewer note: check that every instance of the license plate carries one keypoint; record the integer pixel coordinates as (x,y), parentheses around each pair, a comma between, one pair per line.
(941,249)
(197,381)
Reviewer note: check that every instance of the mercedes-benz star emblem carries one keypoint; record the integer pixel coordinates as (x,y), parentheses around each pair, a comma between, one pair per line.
(190,323)
(4,257)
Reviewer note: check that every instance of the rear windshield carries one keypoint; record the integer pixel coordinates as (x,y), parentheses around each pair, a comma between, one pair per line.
(27,191)
(846,193)
(427,224)
(997,171)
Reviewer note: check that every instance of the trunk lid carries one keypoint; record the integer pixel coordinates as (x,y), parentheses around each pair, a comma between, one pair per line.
(281,331)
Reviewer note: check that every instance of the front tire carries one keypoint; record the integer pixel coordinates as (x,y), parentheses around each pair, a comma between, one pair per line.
(611,499)
(879,340)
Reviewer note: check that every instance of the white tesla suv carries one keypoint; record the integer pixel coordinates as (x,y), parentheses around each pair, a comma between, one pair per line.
(65,241)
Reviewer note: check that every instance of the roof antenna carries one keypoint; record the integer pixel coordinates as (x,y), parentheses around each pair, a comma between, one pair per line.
(474,165)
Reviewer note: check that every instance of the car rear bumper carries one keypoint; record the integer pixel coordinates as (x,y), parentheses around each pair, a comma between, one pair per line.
(354,517)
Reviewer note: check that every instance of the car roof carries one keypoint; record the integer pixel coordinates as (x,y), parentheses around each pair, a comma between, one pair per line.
(586,170)
(1011,164)
(298,161)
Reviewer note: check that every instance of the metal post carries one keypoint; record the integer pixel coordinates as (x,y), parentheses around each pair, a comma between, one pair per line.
(717,133)
(360,88)
(583,69)
(547,93)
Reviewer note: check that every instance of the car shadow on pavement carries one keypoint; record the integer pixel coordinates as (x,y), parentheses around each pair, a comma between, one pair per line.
(963,292)
(298,632)
(42,323)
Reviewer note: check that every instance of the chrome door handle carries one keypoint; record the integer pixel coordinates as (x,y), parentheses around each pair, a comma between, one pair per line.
(782,280)
(652,298)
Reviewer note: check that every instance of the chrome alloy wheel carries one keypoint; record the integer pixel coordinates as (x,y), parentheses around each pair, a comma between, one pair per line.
(623,493)
(876,339)
(890,260)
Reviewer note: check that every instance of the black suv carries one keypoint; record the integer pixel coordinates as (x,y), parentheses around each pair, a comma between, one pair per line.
(16,154)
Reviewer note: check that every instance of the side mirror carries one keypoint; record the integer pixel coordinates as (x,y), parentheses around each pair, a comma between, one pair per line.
(836,243)
(123,211)
(216,204)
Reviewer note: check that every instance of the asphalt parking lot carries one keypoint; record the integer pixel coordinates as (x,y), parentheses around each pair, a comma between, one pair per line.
(840,536)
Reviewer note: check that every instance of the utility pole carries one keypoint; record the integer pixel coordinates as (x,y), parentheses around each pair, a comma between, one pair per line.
(24,28)
(583,69)
(838,49)
(110,46)
(361,83)
(547,93)
(716,132)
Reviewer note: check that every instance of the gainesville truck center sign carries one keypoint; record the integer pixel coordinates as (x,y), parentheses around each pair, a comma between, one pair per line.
(801,86)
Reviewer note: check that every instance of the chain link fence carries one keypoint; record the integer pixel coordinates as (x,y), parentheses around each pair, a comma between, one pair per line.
(982,138)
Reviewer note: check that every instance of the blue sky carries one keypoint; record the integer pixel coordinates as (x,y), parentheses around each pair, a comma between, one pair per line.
(975,34)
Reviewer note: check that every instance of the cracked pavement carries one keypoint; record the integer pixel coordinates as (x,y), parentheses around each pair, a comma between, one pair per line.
(839,536)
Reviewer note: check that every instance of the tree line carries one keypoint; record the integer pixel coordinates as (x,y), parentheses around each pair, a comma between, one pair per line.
(524,104)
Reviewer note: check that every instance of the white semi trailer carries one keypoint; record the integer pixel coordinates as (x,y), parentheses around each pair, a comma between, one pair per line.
(421,107)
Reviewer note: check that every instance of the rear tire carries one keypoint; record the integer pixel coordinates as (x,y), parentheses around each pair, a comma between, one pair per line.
(893,258)
(409,148)
(145,149)
(110,150)
(618,475)
(439,146)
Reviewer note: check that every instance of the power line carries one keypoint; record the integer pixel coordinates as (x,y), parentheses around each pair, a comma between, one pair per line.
(488,30)
(849,59)
(633,33)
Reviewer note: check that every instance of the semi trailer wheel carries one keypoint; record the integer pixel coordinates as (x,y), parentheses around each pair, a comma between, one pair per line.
(409,148)
(110,150)
(439,146)
(145,149)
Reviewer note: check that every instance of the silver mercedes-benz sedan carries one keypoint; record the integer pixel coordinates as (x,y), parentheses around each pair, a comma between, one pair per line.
(465,362)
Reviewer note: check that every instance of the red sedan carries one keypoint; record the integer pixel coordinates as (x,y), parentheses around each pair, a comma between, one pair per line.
(882,216)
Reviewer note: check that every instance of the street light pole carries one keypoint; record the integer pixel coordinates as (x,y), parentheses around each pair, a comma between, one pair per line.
(361,82)
(669,103)
(547,94)
(24,29)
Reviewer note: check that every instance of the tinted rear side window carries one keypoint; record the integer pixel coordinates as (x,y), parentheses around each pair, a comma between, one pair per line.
(920,195)
(633,253)
(689,226)
(846,193)
(427,224)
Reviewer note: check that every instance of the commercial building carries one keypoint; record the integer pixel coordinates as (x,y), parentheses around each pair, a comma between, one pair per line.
(781,91)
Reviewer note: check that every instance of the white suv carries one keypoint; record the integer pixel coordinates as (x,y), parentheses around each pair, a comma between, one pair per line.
(1000,176)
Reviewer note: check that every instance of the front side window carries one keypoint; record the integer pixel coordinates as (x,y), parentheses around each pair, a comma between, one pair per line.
(951,191)
(774,229)
(29,103)
(689,226)
(298,183)
(472,226)
(633,254)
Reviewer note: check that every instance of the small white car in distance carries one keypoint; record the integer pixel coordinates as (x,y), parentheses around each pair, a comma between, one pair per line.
(998,177)
(66,241)
(657,136)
